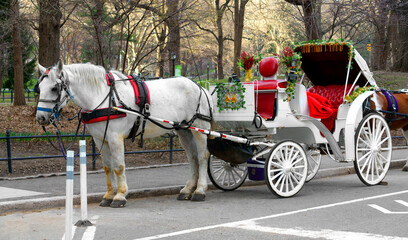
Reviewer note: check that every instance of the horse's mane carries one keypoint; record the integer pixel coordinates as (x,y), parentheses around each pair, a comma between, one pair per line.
(87,73)
(90,74)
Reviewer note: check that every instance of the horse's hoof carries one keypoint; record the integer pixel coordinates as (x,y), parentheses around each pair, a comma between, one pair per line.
(118,203)
(197,197)
(105,202)
(184,196)
(405,168)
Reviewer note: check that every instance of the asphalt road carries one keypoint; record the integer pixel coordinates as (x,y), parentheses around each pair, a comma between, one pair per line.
(328,208)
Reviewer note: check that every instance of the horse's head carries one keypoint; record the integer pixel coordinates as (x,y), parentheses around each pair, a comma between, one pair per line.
(53,90)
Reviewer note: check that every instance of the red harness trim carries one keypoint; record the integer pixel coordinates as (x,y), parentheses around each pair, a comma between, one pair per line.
(136,90)
(101,118)
(108,76)
(104,118)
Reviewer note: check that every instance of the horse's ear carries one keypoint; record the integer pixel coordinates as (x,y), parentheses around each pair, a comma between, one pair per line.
(41,68)
(59,67)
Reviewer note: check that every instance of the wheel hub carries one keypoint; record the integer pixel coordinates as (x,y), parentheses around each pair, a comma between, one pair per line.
(287,169)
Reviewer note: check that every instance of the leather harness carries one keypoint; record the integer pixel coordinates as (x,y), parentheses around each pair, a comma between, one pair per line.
(104,114)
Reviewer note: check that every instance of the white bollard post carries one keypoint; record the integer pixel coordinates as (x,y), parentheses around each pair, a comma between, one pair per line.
(69,195)
(84,222)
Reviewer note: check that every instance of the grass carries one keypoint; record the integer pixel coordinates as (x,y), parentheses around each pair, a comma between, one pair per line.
(391,80)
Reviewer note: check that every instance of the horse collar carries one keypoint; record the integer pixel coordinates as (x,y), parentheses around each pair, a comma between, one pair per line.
(392,102)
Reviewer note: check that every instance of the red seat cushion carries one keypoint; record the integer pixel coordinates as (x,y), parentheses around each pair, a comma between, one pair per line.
(334,94)
(265,101)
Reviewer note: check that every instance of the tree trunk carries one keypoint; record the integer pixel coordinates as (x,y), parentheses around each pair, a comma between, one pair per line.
(400,46)
(173,43)
(239,14)
(161,51)
(97,18)
(220,40)
(18,56)
(311,13)
(49,32)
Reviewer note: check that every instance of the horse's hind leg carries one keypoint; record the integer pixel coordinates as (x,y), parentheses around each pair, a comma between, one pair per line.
(110,177)
(186,140)
(203,156)
(116,147)
(194,145)
(405,129)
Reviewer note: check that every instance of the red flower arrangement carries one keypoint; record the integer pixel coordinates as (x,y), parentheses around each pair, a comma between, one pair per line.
(246,61)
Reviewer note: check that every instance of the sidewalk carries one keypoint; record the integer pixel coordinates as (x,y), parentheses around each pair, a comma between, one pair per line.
(49,192)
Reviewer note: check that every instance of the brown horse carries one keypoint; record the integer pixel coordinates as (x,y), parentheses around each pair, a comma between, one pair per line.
(380,102)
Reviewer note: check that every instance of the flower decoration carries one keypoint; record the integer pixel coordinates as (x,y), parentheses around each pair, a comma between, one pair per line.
(246,61)
(291,62)
(350,98)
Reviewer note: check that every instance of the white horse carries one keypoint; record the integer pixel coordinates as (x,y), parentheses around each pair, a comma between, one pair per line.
(176,99)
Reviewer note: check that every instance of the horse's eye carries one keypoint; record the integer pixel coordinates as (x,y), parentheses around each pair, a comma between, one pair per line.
(54,89)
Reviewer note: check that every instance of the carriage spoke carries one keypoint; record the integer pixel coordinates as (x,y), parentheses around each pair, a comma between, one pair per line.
(282,183)
(366,163)
(297,161)
(380,143)
(363,157)
(363,141)
(380,134)
(276,164)
(295,178)
(291,182)
(368,166)
(365,132)
(277,175)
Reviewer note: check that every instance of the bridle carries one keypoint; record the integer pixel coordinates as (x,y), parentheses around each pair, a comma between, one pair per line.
(61,86)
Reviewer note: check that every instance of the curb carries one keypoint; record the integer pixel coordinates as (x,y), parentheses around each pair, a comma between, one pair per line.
(9,207)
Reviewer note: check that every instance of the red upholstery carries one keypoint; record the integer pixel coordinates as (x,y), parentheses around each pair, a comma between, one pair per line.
(334,94)
(265,101)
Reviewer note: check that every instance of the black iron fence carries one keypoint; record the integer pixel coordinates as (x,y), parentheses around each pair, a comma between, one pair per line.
(7,95)
(94,153)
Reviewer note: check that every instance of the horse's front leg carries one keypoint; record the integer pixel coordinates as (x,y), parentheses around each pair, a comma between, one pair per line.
(110,177)
(116,146)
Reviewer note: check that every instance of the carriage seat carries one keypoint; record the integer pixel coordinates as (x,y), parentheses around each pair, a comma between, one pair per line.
(265,96)
(334,96)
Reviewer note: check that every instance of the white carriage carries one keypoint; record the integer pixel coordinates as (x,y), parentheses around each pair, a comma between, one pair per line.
(284,141)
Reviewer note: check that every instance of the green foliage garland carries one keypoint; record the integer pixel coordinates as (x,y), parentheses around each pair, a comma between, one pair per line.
(350,98)
(236,88)
(328,45)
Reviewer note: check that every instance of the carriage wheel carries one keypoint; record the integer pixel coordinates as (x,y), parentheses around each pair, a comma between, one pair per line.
(226,176)
(286,169)
(373,149)
(313,163)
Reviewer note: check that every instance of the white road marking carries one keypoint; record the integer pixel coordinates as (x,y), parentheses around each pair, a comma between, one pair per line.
(320,234)
(386,211)
(73,233)
(16,193)
(187,231)
(89,233)
(402,202)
